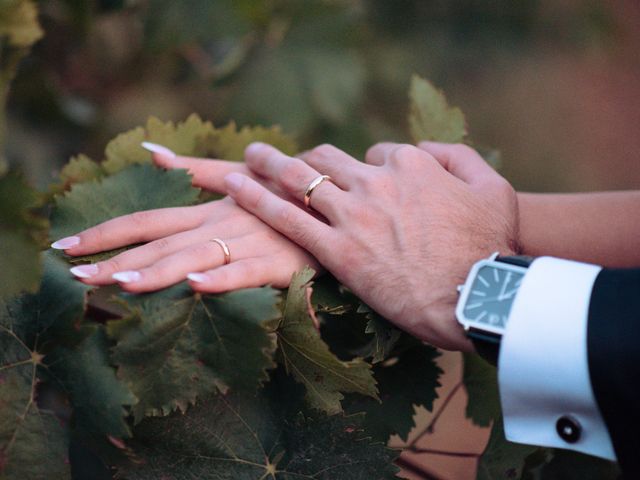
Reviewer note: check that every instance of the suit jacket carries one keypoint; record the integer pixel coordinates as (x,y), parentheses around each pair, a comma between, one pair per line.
(613,347)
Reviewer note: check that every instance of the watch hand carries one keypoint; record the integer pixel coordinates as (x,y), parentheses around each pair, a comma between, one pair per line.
(504,285)
(511,293)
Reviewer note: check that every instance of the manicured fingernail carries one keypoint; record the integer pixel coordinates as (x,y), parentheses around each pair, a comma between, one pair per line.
(155,148)
(198,277)
(127,277)
(254,148)
(85,271)
(233,181)
(66,242)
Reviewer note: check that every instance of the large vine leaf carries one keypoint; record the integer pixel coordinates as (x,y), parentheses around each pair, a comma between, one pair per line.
(568,465)
(184,138)
(139,187)
(175,345)
(481,382)
(308,358)
(19,234)
(33,443)
(385,336)
(409,380)
(97,396)
(251,437)
(19,22)
(430,117)
(503,460)
(229,142)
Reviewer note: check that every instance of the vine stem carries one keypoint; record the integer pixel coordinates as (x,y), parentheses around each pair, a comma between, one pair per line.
(429,428)
(444,452)
(425,474)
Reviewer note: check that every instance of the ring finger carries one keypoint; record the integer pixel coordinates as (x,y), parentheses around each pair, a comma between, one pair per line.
(137,258)
(175,267)
(295,176)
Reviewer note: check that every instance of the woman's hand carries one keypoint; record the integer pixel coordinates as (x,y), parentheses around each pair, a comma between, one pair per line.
(179,244)
(402,230)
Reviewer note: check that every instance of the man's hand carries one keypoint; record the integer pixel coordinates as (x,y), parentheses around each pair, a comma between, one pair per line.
(402,230)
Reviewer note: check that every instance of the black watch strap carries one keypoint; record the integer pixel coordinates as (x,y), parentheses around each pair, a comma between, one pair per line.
(518,260)
(487,344)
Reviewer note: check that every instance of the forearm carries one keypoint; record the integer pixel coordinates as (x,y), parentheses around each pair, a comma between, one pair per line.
(601,228)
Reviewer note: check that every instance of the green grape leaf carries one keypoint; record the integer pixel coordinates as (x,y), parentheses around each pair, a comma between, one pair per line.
(274,92)
(568,465)
(503,459)
(80,169)
(307,357)
(139,187)
(229,142)
(385,337)
(409,380)
(430,116)
(33,442)
(333,96)
(176,345)
(481,382)
(19,234)
(19,22)
(97,396)
(184,138)
(250,437)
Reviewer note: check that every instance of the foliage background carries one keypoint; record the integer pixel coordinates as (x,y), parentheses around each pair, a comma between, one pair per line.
(554,84)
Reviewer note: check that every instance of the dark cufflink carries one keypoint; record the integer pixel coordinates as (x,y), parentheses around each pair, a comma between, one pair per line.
(569,429)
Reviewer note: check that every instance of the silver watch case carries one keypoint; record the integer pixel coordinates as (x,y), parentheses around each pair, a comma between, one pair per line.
(465,290)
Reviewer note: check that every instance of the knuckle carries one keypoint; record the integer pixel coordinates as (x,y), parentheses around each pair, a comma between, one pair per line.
(160,245)
(293,174)
(406,156)
(204,250)
(111,266)
(374,150)
(294,229)
(95,236)
(141,219)
(221,275)
(323,151)
(256,199)
(460,149)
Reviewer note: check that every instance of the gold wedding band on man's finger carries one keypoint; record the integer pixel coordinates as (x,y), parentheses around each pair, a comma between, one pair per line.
(312,186)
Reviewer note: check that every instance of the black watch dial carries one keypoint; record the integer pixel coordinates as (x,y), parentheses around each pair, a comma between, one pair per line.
(491,296)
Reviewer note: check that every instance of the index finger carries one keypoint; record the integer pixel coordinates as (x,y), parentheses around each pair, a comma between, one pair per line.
(133,228)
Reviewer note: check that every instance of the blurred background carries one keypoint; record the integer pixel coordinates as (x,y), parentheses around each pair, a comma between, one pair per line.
(554,84)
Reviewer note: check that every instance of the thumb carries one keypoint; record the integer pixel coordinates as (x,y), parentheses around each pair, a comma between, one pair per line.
(461,161)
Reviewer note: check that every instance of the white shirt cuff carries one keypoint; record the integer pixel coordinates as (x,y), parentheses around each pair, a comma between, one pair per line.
(543,369)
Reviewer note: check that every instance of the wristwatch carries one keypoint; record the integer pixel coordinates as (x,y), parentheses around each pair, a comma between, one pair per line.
(486,298)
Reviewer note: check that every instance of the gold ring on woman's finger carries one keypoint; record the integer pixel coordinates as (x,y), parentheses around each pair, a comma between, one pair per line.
(225,249)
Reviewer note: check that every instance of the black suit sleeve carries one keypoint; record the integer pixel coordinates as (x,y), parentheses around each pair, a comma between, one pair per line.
(613,346)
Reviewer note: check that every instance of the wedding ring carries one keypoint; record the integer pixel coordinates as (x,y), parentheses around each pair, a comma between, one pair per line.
(225,249)
(316,181)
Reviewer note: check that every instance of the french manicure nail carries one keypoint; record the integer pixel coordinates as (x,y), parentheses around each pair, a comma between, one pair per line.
(198,277)
(233,182)
(254,148)
(85,271)
(127,277)
(66,242)
(155,148)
